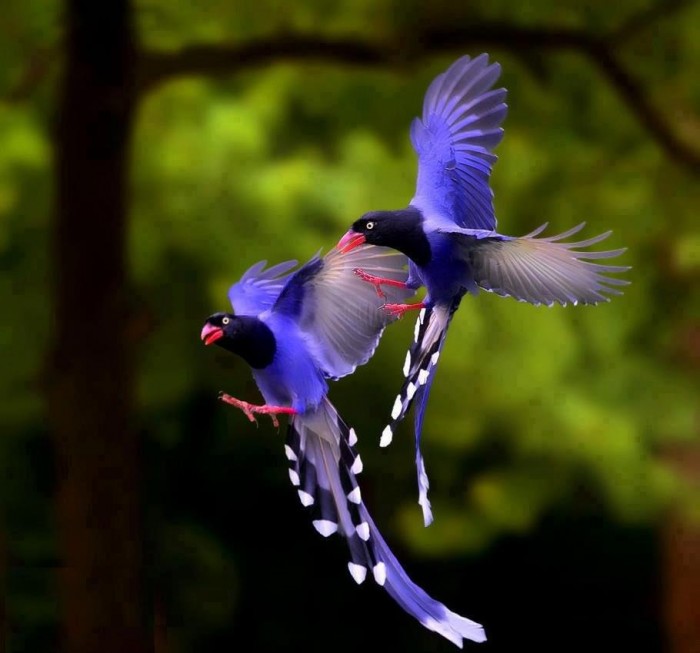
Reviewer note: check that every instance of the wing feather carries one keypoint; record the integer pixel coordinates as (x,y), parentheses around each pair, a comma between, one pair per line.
(545,270)
(460,125)
(342,315)
(258,289)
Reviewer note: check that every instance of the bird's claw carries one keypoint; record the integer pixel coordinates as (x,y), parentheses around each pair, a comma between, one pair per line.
(243,406)
(248,409)
(398,310)
(370,278)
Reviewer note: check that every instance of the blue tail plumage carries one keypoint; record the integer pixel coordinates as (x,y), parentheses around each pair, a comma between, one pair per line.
(323,467)
(419,371)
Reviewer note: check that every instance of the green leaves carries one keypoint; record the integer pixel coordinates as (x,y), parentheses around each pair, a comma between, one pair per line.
(533,409)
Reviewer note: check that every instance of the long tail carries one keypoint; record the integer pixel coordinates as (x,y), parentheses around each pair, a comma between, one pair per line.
(419,370)
(324,467)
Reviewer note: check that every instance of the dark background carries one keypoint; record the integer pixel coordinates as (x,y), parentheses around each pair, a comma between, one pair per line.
(151,152)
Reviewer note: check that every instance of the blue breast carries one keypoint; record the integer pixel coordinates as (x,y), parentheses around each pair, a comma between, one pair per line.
(448,273)
(293,376)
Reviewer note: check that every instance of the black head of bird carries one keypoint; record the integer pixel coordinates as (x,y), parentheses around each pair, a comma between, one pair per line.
(401,230)
(244,335)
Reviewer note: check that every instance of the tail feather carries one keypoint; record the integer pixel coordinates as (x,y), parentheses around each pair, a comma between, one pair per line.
(324,467)
(430,613)
(419,370)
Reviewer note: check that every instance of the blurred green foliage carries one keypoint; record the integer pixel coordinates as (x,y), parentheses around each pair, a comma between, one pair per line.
(533,409)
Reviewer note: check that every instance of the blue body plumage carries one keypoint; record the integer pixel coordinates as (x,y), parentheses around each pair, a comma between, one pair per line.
(297,330)
(448,231)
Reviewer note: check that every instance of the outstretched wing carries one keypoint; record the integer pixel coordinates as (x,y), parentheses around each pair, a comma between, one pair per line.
(324,467)
(460,126)
(258,289)
(544,270)
(342,314)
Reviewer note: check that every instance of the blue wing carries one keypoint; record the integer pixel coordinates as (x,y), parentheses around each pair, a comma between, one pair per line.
(341,314)
(461,124)
(258,289)
(543,270)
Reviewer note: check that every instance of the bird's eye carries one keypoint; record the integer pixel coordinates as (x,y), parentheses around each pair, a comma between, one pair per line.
(369,226)
(225,321)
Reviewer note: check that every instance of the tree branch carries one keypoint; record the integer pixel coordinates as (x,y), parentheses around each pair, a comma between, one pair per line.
(645,18)
(213,60)
(207,60)
(632,93)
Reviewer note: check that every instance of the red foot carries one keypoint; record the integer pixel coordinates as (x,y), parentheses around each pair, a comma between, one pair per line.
(378,282)
(250,409)
(398,310)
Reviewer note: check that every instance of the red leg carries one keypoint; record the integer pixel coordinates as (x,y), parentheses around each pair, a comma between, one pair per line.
(250,409)
(398,310)
(378,282)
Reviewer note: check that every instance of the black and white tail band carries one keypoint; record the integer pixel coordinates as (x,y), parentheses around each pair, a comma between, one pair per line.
(324,474)
(419,370)
(323,468)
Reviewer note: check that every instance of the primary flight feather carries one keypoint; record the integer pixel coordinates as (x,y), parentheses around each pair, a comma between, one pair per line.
(448,231)
(296,330)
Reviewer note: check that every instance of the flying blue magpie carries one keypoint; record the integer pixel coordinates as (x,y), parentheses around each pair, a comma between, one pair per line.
(448,231)
(296,330)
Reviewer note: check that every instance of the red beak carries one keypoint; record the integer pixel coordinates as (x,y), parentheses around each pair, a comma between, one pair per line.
(350,241)
(210,334)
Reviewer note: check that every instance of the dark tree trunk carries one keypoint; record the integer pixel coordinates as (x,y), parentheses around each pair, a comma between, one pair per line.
(4,627)
(90,390)
(681,563)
